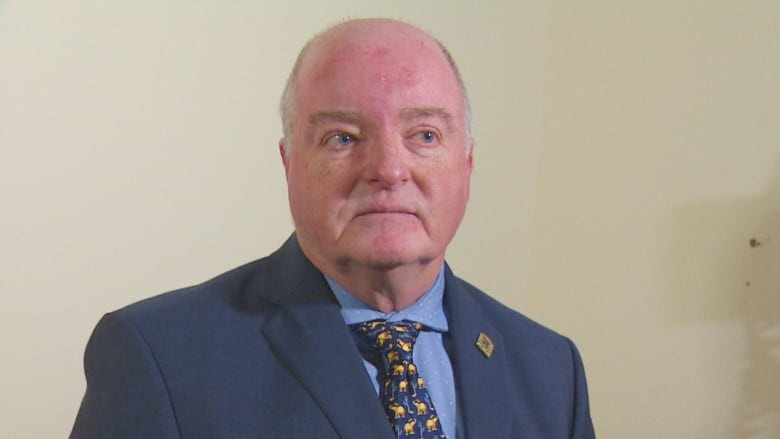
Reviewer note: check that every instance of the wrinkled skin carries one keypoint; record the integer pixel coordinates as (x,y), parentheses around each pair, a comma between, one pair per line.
(378,174)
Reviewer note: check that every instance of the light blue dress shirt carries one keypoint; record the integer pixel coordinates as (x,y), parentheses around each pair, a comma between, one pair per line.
(433,363)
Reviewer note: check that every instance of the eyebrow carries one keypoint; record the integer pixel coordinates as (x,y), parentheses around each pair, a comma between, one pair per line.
(334,115)
(355,118)
(423,112)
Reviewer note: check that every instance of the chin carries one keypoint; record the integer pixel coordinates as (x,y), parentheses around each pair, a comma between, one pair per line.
(390,254)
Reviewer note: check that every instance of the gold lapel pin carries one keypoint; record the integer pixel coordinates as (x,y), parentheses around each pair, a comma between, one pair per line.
(484,344)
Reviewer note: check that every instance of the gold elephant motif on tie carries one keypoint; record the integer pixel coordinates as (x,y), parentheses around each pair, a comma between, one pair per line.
(420,383)
(431,422)
(403,386)
(398,410)
(412,368)
(382,337)
(422,408)
(405,345)
(399,369)
(392,356)
(409,426)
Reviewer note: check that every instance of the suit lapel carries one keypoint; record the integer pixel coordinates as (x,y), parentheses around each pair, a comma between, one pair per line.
(308,335)
(480,380)
(310,338)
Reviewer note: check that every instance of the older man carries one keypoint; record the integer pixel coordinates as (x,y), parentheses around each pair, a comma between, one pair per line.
(355,328)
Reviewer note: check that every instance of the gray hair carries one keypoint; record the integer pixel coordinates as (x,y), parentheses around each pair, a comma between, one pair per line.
(287,103)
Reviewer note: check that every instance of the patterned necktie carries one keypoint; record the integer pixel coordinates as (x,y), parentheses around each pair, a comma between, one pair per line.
(407,404)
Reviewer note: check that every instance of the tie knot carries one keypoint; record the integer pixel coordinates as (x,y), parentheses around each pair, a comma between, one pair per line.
(388,337)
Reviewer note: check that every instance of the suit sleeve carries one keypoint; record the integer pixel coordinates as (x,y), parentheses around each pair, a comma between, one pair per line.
(582,426)
(126,394)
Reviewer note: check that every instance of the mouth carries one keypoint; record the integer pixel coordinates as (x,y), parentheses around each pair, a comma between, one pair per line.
(385,211)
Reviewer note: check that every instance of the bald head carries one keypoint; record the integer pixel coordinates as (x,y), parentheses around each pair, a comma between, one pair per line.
(350,41)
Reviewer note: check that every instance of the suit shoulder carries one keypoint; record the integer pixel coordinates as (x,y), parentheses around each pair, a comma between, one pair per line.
(224,290)
(543,368)
(232,298)
(508,320)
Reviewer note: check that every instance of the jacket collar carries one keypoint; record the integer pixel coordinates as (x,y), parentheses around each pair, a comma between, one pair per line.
(481,380)
(309,336)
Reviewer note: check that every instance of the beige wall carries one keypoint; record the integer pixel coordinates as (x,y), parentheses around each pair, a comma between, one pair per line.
(660,162)
(627,153)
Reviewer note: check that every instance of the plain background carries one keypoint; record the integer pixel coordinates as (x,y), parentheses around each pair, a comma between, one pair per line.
(628,153)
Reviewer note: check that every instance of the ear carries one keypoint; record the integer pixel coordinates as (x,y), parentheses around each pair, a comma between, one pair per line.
(469,165)
(470,157)
(283,154)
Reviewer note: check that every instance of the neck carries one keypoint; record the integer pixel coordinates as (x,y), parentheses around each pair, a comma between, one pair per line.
(386,290)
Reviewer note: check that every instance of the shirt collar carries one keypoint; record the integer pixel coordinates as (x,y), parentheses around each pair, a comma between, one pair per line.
(428,309)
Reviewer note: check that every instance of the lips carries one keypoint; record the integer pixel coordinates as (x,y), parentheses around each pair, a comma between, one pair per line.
(385,210)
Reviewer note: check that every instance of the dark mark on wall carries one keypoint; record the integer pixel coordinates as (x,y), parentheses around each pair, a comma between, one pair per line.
(756,243)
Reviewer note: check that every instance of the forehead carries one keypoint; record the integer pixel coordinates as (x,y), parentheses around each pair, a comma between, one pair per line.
(374,38)
(382,66)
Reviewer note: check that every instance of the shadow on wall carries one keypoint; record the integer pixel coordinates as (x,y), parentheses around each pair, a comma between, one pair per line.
(759,414)
(728,254)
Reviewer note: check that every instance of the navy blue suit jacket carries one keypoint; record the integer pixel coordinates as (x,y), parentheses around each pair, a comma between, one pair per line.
(263,352)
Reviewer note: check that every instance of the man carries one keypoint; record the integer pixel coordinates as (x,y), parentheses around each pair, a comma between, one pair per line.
(377,153)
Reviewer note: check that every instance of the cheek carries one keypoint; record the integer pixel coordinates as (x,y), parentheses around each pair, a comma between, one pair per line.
(315,187)
(446,181)
(305,176)
(449,193)
(301,186)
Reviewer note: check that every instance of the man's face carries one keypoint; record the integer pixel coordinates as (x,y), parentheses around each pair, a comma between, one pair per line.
(378,174)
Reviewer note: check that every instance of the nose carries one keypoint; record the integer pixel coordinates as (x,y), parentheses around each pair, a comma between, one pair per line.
(387,164)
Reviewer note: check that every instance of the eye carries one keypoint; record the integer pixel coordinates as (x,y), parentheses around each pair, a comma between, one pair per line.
(427,137)
(339,139)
